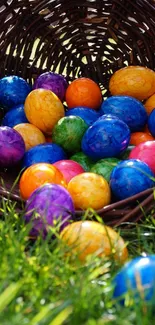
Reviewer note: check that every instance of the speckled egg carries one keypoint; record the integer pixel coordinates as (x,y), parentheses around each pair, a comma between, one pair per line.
(83,92)
(68,133)
(137,279)
(31,135)
(107,137)
(89,190)
(15,116)
(52,204)
(145,152)
(90,238)
(13,91)
(135,81)
(12,147)
(43,109)
(128,109)
(43,153)
(130,177)
(104,167)
(87,114)
(52,81)
(37,175)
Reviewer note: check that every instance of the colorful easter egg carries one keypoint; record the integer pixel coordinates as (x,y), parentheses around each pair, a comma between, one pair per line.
(12,147)
(134,81)
(68,133)
(87,114)
(13,91)
(15,116)
(90,238)
(139,137)
(43,109)
(48,206)
(104,167)
(89,190)
(128,109)
(37,175)
(43,153)
(150,104)
(145,152)
(130,177)
(137,279)
(83,160)
(106,138)
(31,135)
(69,169)
(151,123)
(52,81)
(83,92)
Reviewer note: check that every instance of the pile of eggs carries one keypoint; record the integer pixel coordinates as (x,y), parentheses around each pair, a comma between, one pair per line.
(75,150)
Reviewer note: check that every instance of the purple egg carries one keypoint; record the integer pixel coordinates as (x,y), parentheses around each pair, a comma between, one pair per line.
(47,205)
(12,147)
(52,81)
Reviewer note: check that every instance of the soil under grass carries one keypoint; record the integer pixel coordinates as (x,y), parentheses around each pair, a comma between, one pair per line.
(39,286)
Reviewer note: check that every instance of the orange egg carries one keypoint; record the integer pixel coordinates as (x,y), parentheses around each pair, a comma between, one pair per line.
(31,135)
(139,137)
(92,238)
(89,190)
(135,81)
(36,176)
(150,104)
(83,92)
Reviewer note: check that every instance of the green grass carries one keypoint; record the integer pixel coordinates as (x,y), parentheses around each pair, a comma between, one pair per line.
(39,286)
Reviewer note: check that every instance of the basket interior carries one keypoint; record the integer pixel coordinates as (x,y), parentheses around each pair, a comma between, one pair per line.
(90,38)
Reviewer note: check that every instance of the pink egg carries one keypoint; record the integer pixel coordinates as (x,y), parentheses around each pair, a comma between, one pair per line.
(69,168)
(145,152)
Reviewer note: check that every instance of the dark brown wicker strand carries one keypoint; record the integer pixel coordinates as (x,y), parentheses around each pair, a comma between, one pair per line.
(91,38)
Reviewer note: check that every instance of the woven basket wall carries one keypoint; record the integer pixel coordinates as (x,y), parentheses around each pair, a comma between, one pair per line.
(91,38)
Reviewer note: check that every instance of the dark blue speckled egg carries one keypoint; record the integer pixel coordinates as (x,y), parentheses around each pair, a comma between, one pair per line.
(13,91)
(137,278)
(15,116)
(130,177)
(128,109)
(151,123)
(46,153)
(87,114)
(106,138)
(12,147)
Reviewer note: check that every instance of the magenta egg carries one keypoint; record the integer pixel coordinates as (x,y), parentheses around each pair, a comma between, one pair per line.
(145,152)
(69,168)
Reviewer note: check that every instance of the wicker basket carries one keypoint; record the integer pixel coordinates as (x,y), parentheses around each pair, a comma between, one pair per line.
(91,38)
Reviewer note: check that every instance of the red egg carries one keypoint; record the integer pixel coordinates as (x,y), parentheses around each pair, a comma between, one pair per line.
(145,152)
(69,169)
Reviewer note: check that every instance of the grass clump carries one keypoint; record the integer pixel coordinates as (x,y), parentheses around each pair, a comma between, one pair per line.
(40,286)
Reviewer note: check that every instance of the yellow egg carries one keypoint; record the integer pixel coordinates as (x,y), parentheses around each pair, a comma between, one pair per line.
(90,237)
(31,135)
(150,104)
(135,81)
(89,190)
(43,109)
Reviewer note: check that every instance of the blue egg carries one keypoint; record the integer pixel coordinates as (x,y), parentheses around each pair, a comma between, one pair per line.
(137,277)
(87,114)
(15,116)
(130,177)
(13,91)
(106,138)
(46,153)
(151,123)
(128,109)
